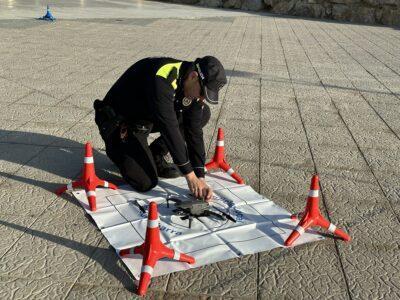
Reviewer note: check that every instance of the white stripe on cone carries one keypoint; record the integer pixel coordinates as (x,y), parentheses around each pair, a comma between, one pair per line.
(177,255)
(220,143)
(332,228)
(91,193)
(106,184)
(313,193)
(88,160)
(299,229)
(230,171)
(153,223)
(147,269)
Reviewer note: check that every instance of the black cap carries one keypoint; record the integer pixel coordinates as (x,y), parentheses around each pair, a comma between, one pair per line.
(211,76)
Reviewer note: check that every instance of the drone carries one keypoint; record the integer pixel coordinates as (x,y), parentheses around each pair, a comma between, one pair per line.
(197,208)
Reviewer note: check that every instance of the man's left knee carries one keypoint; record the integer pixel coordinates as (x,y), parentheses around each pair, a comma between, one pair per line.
(146,185)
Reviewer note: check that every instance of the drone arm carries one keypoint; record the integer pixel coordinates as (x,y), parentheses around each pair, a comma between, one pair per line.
(228,216)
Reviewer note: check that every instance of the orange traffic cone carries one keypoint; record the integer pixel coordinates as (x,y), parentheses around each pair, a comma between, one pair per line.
(218,161)
(89,181)
(312,216)
(153,250)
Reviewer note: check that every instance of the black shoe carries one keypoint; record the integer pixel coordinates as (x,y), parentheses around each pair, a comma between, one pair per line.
(164,168)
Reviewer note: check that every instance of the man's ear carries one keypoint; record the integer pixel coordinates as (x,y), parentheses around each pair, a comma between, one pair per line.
(193,75)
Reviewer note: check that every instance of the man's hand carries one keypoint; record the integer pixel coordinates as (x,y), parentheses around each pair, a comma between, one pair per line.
(199,187)
(208,191)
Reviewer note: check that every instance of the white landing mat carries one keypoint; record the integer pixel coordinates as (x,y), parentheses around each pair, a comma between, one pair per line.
(260,224)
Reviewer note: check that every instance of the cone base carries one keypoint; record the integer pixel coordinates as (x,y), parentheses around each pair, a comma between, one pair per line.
(312,216)
(342,235)
(292,238)
(144,283)
(218,160)
(89,180)
(92,204)
(152,250)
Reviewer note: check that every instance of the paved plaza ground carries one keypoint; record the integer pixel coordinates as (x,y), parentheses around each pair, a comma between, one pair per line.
(303,96)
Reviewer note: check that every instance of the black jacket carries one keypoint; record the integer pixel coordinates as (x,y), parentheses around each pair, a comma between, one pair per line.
(151,91)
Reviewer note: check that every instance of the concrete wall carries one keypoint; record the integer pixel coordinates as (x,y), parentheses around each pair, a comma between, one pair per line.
(385,12)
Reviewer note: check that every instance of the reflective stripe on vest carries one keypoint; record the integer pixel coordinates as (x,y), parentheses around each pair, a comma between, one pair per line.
(166,69)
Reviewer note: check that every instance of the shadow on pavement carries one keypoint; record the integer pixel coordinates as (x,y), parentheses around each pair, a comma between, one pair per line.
(62,157)
(105,257)
(277,79)
(71,154)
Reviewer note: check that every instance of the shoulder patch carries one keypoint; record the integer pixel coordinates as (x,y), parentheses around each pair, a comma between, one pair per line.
(170,72)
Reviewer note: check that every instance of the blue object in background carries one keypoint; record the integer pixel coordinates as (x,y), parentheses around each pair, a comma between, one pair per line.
(48,16)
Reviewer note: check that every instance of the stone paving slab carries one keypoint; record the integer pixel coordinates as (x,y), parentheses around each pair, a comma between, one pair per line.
(15,157)
(303,96)
(17,288)
(280,272)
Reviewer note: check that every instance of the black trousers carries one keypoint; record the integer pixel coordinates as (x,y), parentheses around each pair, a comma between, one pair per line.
(134,158)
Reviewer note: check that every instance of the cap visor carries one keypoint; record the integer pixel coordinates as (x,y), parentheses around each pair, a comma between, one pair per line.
(211,96)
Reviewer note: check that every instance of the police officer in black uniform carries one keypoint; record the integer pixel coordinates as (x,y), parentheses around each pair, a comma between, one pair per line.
(165,95)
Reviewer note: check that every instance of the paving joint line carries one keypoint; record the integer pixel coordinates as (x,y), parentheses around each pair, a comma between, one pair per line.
(87,262)
(25,230)
(168,280)
(15,129)
(37,154)
(350,55)
(366,161)
(30,226)
(348,129)
(52,145)
(384,34)
(395,94)
(48,106)
(86,85)
(33,90)
(335,242)
(260,143)
(194,48)
(227,85)
(94,80)
(349,79)
(313,158)
(137,54)
(382,62)
(391,92)
(372,42)
(203,39)
(393,36)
